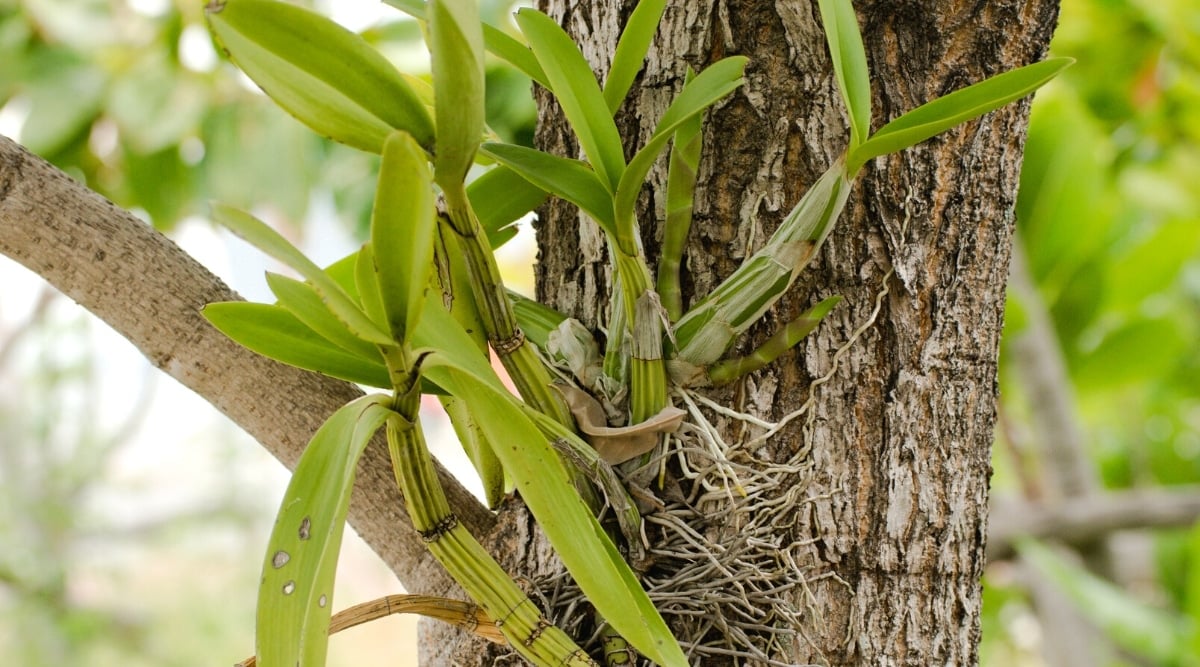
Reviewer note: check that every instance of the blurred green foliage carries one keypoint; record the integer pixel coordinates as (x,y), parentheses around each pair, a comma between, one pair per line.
(1109,218)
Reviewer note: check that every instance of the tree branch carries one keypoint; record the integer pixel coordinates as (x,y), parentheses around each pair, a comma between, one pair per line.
(1082,521)
(151,292)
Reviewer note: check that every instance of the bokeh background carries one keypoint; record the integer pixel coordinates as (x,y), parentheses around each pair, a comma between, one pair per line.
(132,516)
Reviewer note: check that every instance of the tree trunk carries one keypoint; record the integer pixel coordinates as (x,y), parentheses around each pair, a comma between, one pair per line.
(874,497)
(886,494)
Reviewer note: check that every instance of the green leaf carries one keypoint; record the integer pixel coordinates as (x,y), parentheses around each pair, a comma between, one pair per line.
(275,333)
(481,454)
(714,83)
(578,94)
(536,319)
(935,117)
(296,594)
(570,179)
(342,273)
(631,51)
(326,76)
(402,229)
(501,196)
(577,537)
(258,234)
(495,40)
(1132,624)
(456,49)
(849,65)
(302,301)
(441,332)
(366,283)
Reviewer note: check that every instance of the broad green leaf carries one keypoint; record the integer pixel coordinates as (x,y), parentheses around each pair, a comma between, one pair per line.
(631,51)
(536,319)
(1131,623)
(456,50)
(402,229)
(709,86)
(366,282)
(849,65)
(577,537)
(578,94)
(441,332)
(296,594)
(501,196)
(495,40)
(515,53)
(275,333)
(570,179)
(302,301)
(326,76)
(935,117)
(258,234)
(342,273)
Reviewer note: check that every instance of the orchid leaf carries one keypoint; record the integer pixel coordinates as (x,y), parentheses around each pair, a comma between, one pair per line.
(456,50)
(402,229)
(578,93)
(295,597)
(275,333)
(570,179)
(631,51)
(258,234)
(945,112)
(849,65)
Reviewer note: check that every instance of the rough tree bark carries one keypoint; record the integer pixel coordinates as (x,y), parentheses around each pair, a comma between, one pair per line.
(899,436)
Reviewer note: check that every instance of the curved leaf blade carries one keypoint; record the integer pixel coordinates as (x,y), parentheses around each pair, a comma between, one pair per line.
(708,87)
(260,235)
(275,333)
(326,76)
(570,179)
(945,112)
(456,49)
(578,538)
(402,229)
(631,51)
(574,84)
(296,594)
(302,301)
(502,196)
(849,65)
